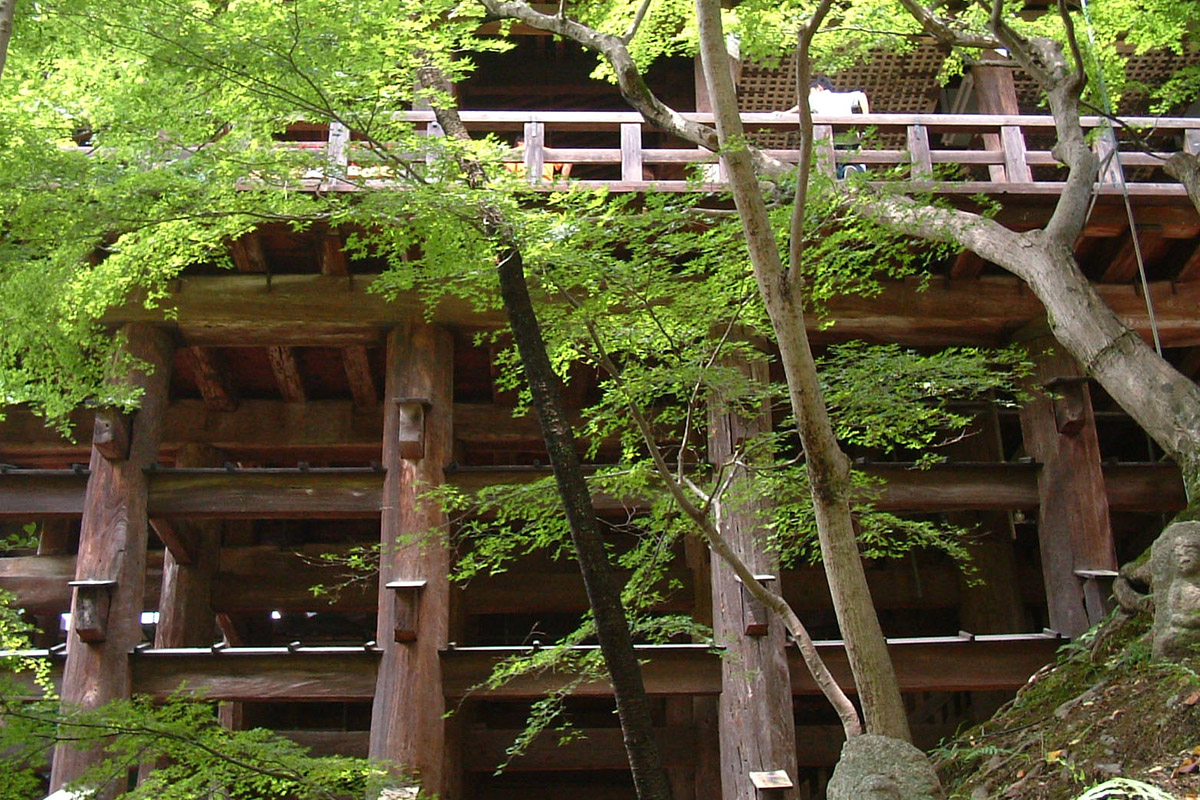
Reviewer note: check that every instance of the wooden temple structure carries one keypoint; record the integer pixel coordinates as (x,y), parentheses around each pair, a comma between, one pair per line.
(292,413)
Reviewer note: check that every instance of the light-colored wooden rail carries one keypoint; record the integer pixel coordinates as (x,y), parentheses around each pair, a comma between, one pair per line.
(918,146)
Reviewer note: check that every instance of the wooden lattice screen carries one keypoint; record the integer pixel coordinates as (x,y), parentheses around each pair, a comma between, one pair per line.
(894,82)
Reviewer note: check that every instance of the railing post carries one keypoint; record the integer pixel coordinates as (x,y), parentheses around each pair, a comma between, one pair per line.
(997,94)
(535,151)
(335,151)
(1191,141)
(918,153)
(823,146)
(631,151)
(1107,151)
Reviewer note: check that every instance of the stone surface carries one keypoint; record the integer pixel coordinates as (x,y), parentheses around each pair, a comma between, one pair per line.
(1175,579)
(881,768)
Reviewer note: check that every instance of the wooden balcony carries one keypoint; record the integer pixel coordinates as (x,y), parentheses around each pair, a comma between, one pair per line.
(994,154)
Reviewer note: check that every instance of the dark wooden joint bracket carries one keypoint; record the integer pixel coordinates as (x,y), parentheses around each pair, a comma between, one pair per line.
(410,428)
(110,435)
(1070,403)
(755,614)
(406,596)
(90,615)
(771,783)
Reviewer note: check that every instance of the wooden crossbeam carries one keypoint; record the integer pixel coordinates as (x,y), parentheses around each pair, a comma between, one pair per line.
(1124,265)
(247,253)
(287,374)
(179,541)
(212,378)
(355,494)
(358,373)
(323,310)
(333,256)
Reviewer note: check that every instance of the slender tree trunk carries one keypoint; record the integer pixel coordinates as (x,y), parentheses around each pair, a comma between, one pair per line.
(604,595)
(829,469)
(8,9)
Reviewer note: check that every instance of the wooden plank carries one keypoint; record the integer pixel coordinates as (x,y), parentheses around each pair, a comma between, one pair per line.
(1074,532)
(333,255)
(823,147)
(535,151)
(247,254)
(112,546)
(1124,265)
(754,722)
(631,152)
(317,309)
(179,542)
(936,664)
(258,674)
(355,494)
(330,743)
(1190,271)
(287,374)
(186,608)
(212,378)
(358,374)
(918,150)
(407,718)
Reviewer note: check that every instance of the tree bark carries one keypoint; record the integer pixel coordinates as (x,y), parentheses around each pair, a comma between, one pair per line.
(829,468)
(8,10)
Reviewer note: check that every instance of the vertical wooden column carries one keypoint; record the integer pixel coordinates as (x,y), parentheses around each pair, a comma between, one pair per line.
(756,729)
(112,547)
(407,729)
(185,615)
(992,604)
(997,94)
(1074,532)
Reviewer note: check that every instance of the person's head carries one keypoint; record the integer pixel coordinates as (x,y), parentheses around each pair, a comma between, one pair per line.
(820,83)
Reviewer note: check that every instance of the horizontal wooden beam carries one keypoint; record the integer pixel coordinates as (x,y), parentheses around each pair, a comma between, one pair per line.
(243,310)
(258,674)
(922,665)
(356,494)
(345,674)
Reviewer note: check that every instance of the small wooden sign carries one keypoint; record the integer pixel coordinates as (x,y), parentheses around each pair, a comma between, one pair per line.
(755,616)
(772,779)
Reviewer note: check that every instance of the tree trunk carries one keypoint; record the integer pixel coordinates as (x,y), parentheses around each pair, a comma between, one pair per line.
(8,9)
(829,469)
(604,595)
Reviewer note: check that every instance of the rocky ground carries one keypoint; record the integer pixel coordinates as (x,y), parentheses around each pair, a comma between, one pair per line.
(1105,710)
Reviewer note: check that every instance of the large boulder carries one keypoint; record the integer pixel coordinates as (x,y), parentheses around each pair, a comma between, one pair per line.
(882,768)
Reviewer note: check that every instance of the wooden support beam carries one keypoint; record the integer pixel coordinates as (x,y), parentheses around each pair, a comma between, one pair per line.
(323,310)
(179,541)
(212,378)
(333,255)
(997,94)
(247,254)
(356,494)
(287,374)
(407,718)
(754,719)
(112,547)
(1190,270)
(358,373)
(186,609)
(967,264)
(1124,266)
(1074,532)
(258,674)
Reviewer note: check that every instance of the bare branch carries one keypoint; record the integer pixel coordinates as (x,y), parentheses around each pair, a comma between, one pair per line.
(637,22)
(944,30)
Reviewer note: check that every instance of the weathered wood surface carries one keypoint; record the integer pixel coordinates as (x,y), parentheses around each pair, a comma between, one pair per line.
(1074,532)
(112,547)
(356,494)
(258,675)
(754,716)
(241,310)
(407,724)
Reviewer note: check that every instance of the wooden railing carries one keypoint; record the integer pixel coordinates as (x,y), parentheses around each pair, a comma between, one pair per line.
(993,153)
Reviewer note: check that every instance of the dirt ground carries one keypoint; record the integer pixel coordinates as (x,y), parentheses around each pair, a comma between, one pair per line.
(1105,710)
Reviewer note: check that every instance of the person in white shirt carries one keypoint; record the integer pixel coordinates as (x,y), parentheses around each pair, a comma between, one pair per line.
(825,102)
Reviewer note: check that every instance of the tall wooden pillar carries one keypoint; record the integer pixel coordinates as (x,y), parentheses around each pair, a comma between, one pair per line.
(997,94)
(407,729)
(1074,532)
(756,729)
(185,615)
(106,608)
